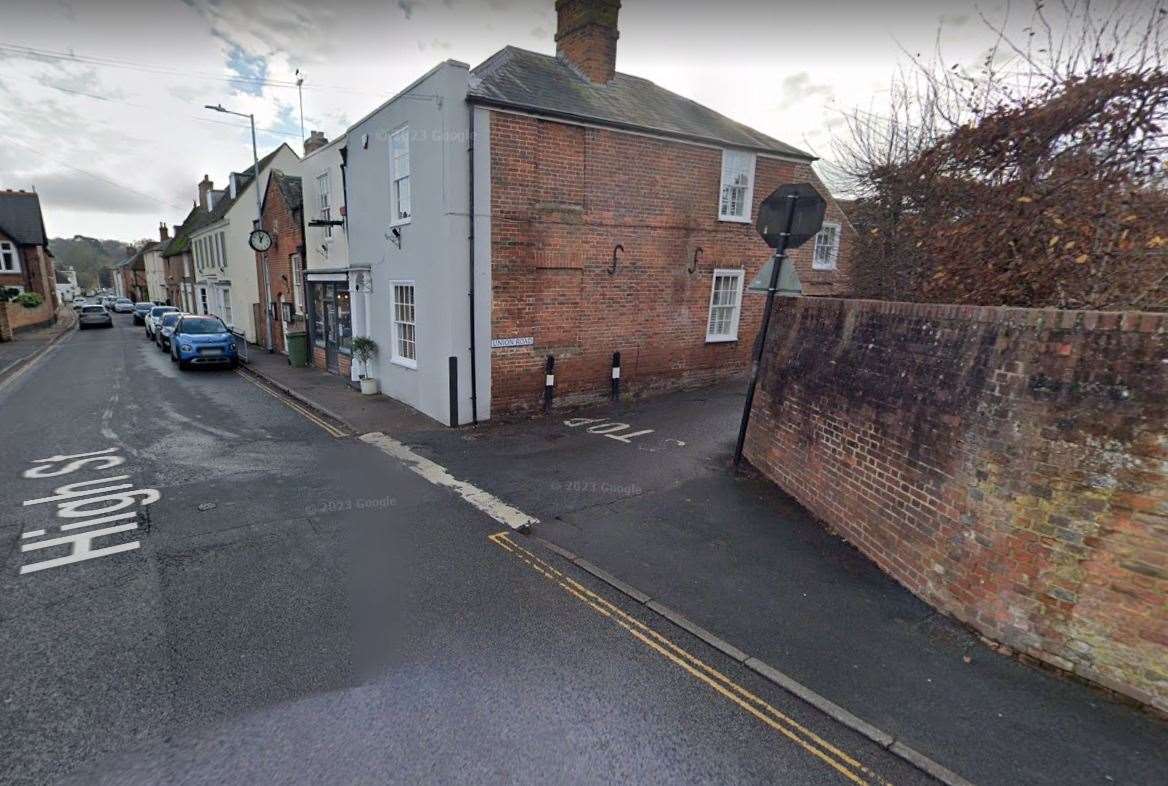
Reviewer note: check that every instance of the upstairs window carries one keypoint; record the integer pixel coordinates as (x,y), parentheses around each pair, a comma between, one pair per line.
(725,306)
(737,186)
(399,175)
(9,260)
(826,247)
(323,205)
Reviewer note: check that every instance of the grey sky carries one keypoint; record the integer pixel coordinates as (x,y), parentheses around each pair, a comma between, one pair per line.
(130,112)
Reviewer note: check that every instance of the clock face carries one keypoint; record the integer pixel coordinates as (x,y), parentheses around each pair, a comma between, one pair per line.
(260,240)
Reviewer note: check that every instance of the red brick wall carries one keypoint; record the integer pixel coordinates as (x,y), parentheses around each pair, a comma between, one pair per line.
(1009,466)
(284,223)
(344,362)
(562,197)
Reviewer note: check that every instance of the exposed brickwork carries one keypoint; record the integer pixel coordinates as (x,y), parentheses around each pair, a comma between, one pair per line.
(586,36)
(284,222)
(1010,466)
(562,197)
(344,362)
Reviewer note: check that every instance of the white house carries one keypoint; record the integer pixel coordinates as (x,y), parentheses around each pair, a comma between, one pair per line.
(337,293)
(67,288)
(226,283)
(156,268)
(407,178)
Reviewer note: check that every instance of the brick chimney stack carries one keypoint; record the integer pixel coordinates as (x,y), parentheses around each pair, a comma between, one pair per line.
(586,35)
(205,189)
(163,232)
(316,140)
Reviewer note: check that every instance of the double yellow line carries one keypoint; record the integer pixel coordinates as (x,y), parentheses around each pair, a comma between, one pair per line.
(841,762)
(324,424)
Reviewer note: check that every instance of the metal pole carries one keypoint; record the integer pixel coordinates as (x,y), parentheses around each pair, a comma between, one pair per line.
(255,155)
(760,344)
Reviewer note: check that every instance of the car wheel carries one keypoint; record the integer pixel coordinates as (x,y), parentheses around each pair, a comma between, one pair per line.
(234,363)
(184,366)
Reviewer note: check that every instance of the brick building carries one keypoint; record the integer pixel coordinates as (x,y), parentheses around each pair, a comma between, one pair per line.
(610,215)
(26,265)
(280,270)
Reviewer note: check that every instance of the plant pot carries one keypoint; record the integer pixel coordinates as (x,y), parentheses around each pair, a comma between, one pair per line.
(368,385)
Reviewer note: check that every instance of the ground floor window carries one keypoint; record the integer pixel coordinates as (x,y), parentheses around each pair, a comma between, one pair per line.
(725,301)
(344,320)
(317,290)
(203,301)
(405,346)
(330,320)
(225,301)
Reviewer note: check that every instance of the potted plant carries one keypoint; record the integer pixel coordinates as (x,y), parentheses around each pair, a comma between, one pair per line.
(363,349)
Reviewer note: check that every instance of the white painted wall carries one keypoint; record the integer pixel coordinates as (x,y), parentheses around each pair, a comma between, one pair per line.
(240,262)
(155,275)
(434,247)
(323,252)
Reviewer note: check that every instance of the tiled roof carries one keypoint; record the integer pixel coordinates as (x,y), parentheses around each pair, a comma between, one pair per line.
(522,79)
(20,217)
(290,188)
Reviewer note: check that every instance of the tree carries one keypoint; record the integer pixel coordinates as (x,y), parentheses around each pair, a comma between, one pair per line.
(1039,180)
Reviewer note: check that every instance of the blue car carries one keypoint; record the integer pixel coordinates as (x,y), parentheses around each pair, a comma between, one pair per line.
(141,309)
(202,341)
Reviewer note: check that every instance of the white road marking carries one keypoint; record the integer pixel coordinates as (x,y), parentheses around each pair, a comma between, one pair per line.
(33,533)
(82,547)
(608,428)
(488,503)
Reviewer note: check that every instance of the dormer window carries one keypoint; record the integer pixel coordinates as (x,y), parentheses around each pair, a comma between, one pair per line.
(737,190)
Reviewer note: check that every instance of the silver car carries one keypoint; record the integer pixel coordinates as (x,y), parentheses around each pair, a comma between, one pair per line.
(93,316)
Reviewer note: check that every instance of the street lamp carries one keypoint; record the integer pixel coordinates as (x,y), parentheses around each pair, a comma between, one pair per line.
(255,156)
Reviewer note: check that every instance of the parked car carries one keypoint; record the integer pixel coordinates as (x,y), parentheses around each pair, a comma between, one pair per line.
(108,301)
(123,305)
(92,315)
(202,340)
(165,329)
(141,309)
(78,303)
(151,319)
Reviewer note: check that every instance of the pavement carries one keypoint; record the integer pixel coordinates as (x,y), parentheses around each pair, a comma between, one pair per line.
(646,495)
(294,606)
(27,343)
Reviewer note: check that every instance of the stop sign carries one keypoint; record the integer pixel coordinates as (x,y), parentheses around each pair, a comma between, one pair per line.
(806,222)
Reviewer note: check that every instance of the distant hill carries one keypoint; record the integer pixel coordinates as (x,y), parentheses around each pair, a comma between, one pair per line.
(88,255)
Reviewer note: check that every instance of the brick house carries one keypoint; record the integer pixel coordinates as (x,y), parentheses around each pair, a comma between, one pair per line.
(26,264)
(610,215)
(130,275)
(280,269)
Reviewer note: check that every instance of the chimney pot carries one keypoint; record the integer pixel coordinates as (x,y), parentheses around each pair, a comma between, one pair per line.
(163,232)
(205,189)
(316,140)
(586,34)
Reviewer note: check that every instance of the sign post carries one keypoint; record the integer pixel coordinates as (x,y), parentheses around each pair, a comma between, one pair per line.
(787,219)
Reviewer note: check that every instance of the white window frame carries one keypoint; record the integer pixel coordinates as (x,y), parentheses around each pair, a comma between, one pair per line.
(734,158)
(738,274)
(395,357)
(324,204)
(297,282)
(225,305)
(394,178)
(825,257)
(7,247)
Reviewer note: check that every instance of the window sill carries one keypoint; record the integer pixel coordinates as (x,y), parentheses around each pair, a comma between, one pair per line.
(824,268)
(404,362)
(401,222)
(720,339)
(735,219)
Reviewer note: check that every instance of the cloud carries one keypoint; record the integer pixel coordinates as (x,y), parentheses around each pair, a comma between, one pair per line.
(407,7)
(798,87)
(85,193)
(253,69)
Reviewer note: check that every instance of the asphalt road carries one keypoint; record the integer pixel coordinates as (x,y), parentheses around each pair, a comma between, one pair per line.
(302,608)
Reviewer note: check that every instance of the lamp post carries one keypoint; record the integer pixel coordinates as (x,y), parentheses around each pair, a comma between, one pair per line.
(255,157)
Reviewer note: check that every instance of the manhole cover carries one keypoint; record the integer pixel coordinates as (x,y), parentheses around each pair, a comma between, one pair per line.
(207,506)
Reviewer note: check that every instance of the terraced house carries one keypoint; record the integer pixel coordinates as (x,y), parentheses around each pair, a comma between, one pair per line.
(609,215)
(225,282)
